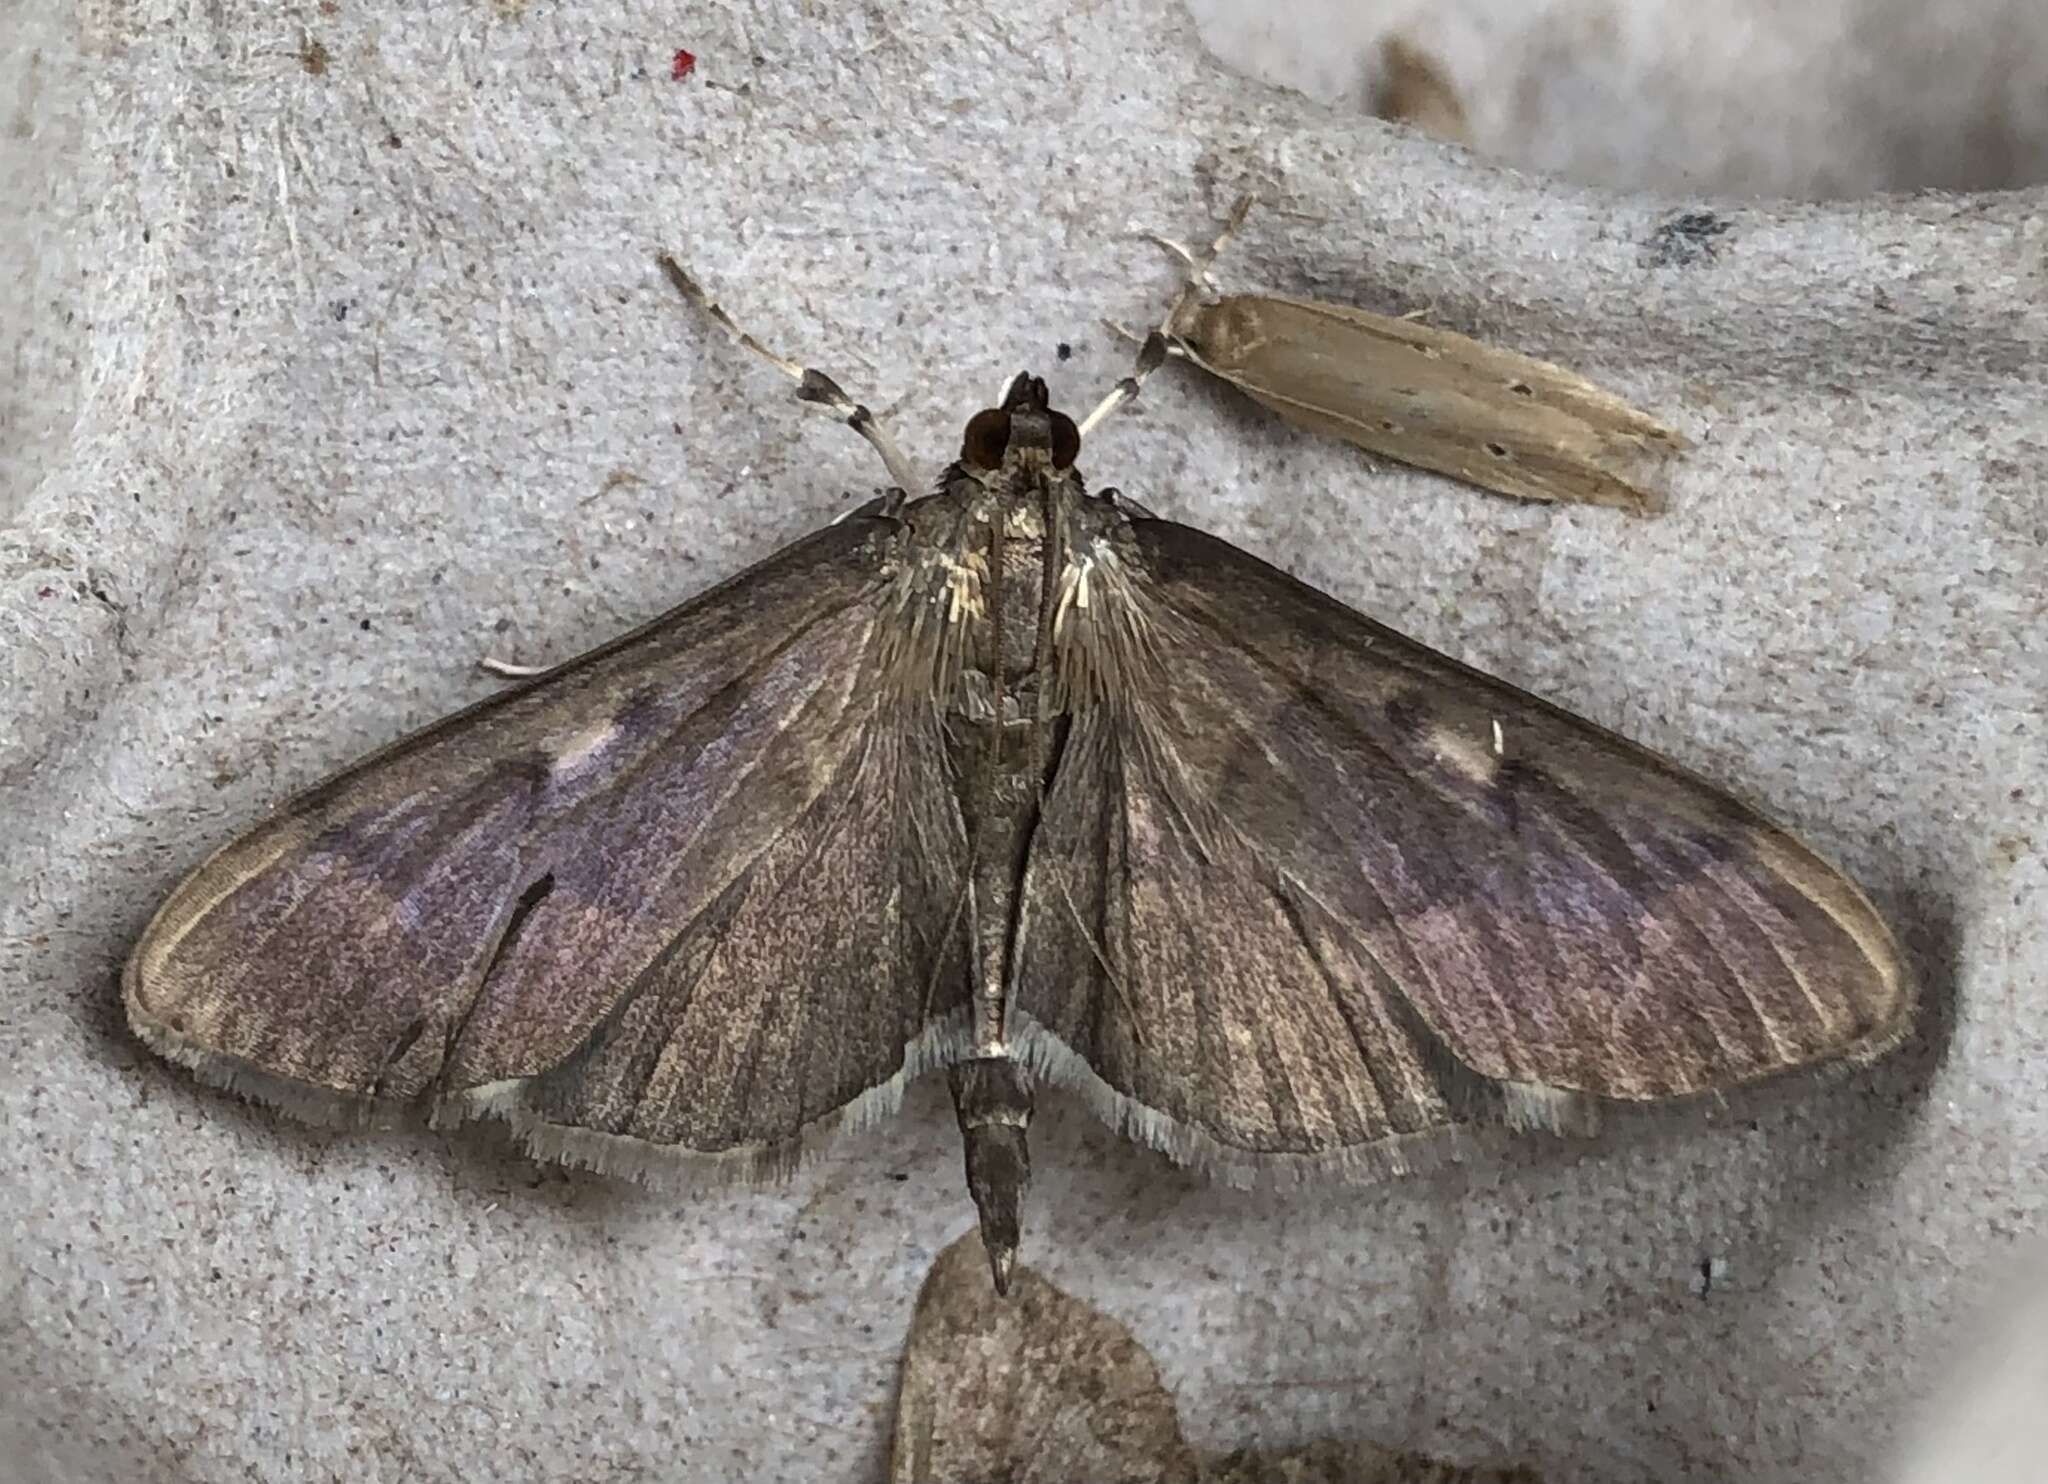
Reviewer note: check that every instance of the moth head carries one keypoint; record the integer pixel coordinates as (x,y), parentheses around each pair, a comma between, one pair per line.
(1024,431)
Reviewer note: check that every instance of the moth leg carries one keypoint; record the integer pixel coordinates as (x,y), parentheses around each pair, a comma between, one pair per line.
(812,386)
(490,664)
(992,1099)
(1152,356)
(1197,264)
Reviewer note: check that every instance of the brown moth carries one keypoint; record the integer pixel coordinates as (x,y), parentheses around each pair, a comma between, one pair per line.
(1017,780)
(1432,398)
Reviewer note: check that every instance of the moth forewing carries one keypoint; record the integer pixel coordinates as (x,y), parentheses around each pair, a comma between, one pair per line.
(1431,398)
(1328,890)
(546,906)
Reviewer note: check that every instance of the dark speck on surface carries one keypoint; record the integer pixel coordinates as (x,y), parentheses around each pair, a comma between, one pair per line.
(1685,239)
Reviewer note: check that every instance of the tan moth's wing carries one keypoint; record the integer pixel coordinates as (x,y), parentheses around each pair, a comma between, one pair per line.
(1433,398)
(1304,885)
(690,890)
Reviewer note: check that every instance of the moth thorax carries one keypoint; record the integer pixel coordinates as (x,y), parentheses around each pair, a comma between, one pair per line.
(1017,597)
(1023,513)
(1222,331)
(974,698)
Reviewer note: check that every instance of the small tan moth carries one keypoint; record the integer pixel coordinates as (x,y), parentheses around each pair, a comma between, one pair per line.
(1432,398)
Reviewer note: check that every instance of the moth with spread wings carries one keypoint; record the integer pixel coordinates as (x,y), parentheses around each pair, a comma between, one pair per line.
(1018,781)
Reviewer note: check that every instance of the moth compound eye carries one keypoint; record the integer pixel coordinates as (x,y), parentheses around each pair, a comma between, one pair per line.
(1066,441)
(988,434)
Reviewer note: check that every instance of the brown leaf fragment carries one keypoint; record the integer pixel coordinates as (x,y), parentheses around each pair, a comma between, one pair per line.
(1045,1388)
(1040,1388)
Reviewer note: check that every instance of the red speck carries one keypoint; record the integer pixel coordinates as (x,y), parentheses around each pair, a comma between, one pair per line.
(684,64)
(46,592)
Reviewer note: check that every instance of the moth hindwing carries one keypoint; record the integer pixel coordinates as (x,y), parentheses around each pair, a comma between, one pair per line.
(1022,782)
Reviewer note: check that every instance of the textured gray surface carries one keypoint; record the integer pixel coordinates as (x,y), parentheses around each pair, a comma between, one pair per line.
(376,374)
(41,128)
(1815,100)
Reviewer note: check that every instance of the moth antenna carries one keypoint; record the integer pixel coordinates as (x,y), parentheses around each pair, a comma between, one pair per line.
(812,386)
(1150,356)
(996,536)
(1122,331)
(988,993)
(1053,560)
(1196,265)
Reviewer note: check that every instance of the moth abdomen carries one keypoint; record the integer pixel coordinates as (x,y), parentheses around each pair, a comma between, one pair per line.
(992,1100)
